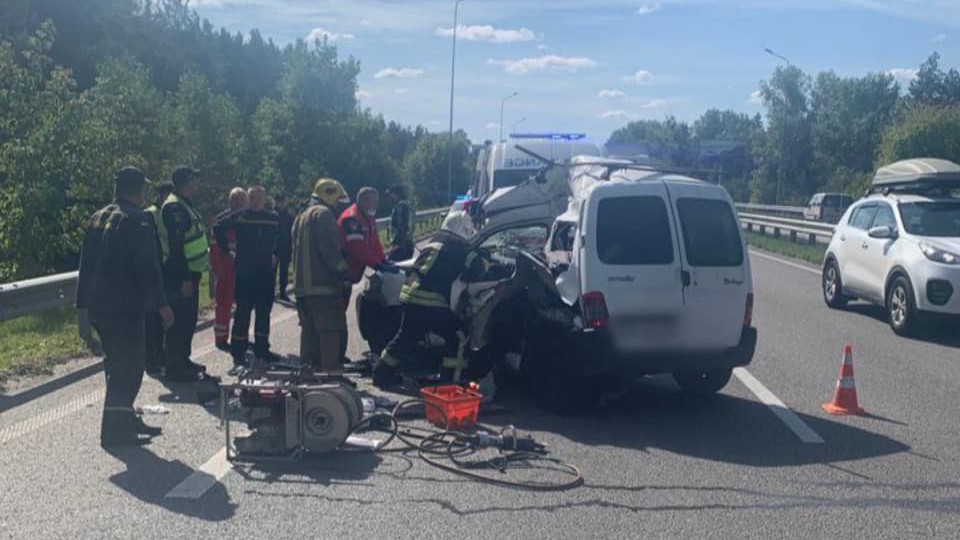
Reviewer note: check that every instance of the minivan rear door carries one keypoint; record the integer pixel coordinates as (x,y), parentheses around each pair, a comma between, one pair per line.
(716,268)
(628,254)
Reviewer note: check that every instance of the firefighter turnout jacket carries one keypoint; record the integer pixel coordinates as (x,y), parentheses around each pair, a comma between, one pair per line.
(361,243)
(318,264)
(440,262)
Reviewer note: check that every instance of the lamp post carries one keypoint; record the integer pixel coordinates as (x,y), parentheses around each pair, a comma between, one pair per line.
(502,103)
(783,126)
(453,72)
(517,123)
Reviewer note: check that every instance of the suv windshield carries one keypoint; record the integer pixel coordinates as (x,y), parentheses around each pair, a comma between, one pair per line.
(710,233)
(931,218)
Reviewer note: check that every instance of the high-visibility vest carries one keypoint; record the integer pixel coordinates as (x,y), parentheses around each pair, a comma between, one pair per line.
(154,212)
(195,244)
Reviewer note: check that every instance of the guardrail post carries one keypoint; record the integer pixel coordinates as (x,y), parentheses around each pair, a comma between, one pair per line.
(812,238)
(793,236)
(776,232)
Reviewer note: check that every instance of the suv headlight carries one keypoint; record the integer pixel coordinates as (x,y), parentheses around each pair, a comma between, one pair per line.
(936,254)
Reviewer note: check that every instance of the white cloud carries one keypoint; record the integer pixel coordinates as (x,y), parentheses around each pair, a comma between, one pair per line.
(615,114)
(903,76)
(492,126)
(363,94)
(611,94)
(488,33)
(940,38)
(401,91)
(756,97)
(654,104)
(398,73)
(545,63)
(640,77)
(647,9)
(317,34)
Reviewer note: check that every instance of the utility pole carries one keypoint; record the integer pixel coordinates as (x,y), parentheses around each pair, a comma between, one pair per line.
(502,103)
(453,72)
(783,128)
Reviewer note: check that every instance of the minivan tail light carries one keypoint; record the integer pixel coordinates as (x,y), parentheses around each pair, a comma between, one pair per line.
(595,312)
(748,312)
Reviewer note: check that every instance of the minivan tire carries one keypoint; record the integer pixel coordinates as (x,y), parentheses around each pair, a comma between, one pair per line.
(557,377)
(832,286)
(902,307)
(702,383)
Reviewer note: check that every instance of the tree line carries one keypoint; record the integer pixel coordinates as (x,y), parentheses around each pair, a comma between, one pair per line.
(87,87)
(818,133)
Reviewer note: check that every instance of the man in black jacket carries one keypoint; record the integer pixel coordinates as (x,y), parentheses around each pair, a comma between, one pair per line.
(119,283)
(401,225)
(284,246)
(255,254)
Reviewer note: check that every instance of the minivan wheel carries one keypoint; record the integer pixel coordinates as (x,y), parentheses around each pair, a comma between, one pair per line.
(901,307)
(833,286)
(703,383)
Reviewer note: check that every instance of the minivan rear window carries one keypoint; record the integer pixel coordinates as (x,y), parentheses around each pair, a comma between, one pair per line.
(837,201)
(710,233)
(634,231)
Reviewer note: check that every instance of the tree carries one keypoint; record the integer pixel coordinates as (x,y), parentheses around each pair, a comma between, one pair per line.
(724,144)
(667,140)
(933,86)
(922,131)
(426,168)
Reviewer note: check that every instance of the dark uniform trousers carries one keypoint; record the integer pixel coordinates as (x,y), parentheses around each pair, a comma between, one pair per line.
(323,334)
(122,335)
(410,350)
(283,271)
(179,337)
(253,294)
(155,335)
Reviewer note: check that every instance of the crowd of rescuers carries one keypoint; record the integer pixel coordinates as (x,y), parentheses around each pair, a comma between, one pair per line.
(142,260)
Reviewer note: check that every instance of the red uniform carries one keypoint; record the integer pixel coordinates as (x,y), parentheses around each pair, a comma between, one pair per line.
(225,278)
(360,241)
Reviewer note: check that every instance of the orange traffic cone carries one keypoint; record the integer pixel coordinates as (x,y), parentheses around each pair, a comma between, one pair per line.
(845,396)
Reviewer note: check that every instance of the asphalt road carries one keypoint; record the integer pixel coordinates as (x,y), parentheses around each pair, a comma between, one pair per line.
(656,464)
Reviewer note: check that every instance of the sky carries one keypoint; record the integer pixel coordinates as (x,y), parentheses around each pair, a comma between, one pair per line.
(591,66)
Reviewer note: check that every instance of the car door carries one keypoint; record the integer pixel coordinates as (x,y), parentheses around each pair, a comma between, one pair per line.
(876,253)
(713,255)
(852,254)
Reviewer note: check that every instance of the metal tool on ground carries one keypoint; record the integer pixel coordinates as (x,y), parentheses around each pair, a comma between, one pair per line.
(845,395)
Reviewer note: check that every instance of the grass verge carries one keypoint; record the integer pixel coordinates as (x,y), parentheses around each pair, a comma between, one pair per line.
(812,253)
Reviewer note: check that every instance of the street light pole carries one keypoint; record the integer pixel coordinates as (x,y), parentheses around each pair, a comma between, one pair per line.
(502,103)
(783,127)
(453,72)
(513,130)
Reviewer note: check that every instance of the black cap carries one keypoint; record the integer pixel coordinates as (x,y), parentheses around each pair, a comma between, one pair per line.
(130,179)
(182,175)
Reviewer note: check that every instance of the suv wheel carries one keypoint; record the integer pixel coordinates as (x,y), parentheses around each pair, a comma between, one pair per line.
(833,286)
(703,383)
(901,307)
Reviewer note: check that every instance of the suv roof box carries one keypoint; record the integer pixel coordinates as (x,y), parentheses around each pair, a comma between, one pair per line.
(917,176)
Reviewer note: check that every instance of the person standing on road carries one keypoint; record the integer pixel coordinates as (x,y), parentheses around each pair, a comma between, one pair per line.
(284,245)
(186,262)
(320,278)
(120,281)
(223,270)
(255,253)
(401,224)
(156,354)
(361,242)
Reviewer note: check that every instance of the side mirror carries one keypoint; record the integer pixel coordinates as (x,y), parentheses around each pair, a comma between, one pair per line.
(882,232)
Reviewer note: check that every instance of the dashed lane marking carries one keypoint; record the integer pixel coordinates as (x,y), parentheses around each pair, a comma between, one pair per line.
(202,479)
(788,417)
(46,418)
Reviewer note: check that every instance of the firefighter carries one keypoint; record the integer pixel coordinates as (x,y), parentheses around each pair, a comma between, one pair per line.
(426,310)
(255,253)
(186,262)
(284,247)
(401,224)
(156,355)
(120,281)
(223,271)
(361,242)
(320,278)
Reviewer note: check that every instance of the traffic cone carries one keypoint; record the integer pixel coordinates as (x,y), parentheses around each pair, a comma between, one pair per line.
(845,396)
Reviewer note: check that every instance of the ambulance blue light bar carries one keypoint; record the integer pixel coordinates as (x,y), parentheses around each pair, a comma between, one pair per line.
(550,136)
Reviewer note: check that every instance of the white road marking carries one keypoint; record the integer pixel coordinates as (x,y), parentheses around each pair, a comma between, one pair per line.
(202,479)
(45,418)
(785,262)
(788,417)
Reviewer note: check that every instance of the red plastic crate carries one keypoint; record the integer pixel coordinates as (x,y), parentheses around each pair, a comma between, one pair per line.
(460,404)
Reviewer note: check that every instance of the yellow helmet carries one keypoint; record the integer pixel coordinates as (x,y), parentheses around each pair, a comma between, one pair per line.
(330,192)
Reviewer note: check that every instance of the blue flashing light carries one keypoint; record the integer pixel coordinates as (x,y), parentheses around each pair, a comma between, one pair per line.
(550,136)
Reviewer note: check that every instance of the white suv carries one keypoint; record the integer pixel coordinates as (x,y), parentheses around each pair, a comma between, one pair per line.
(899,247)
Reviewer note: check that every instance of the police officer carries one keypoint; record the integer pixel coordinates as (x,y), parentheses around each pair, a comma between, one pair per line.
(156,354)
(224,272)
(120,281)
(284,245)
(320,278)
(426,310)
(186,262)
(255,255)
(401,224)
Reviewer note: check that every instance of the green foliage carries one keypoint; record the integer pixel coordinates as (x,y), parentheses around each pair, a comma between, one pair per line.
(933,86)
(923,131)
(426,168)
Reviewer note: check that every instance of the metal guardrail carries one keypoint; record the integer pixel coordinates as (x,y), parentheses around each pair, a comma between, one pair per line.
(815,231)
(31,295)
(771,209)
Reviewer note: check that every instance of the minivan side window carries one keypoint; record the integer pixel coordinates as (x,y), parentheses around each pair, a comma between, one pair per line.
(710,233)
(634,231)
(863,216)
